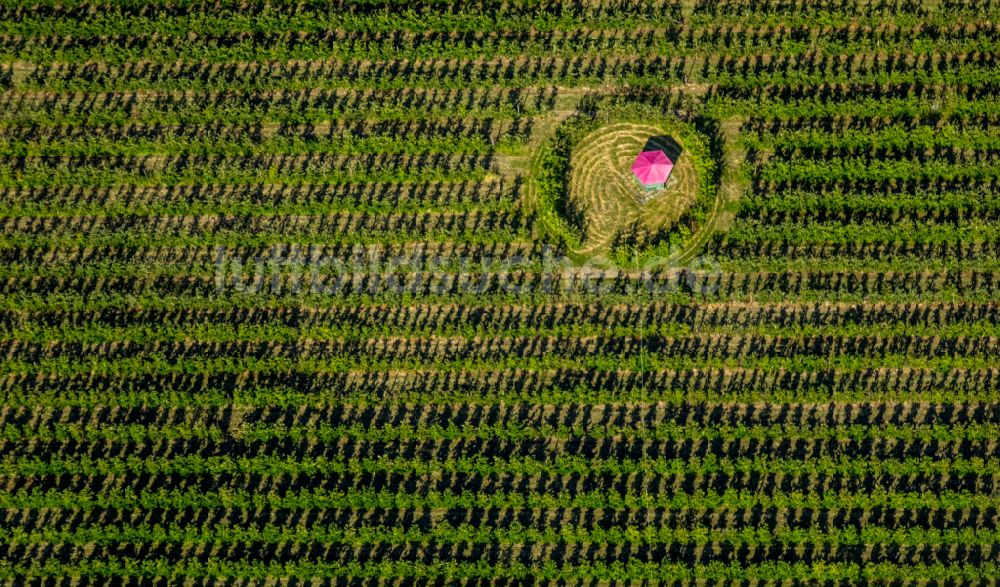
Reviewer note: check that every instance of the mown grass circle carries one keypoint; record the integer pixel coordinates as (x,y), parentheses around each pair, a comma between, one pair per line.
(608,197)
(587,198)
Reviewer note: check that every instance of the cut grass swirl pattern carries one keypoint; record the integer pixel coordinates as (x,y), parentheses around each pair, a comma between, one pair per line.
(611,203)
(587,198)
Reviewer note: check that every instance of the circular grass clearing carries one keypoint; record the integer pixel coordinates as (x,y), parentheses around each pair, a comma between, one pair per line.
(607,197)
(587,201)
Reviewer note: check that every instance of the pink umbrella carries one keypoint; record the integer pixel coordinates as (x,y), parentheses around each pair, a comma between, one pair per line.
(652,168)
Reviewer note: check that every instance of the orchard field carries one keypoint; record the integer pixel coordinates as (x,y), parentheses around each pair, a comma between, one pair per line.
(357,293)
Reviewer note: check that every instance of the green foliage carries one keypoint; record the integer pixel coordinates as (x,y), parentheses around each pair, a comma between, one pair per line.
(816,404)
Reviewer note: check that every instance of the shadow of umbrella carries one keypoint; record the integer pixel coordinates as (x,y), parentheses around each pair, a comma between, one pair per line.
(665,144)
